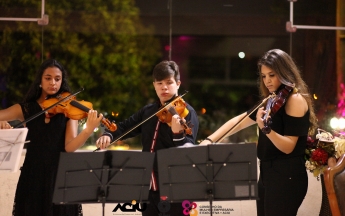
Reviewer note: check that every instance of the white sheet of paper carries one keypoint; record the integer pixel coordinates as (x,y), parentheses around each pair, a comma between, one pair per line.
(11,147)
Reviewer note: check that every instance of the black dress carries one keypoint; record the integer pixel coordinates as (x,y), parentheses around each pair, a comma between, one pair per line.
(35,187)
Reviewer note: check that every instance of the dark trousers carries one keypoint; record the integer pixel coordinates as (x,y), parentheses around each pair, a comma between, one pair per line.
(282,186)
(157,207)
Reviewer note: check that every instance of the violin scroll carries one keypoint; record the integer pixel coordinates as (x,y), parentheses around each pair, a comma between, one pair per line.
(110,125)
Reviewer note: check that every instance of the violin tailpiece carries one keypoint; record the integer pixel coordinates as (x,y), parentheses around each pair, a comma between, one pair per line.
(172,110)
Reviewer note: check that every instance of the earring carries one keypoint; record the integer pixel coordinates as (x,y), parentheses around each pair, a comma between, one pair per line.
(40,86)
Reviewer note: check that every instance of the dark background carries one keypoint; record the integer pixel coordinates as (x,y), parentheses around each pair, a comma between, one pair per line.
(206,37)
(110,48)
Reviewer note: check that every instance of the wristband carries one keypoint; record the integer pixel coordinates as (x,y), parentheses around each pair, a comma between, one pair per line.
(179,136)
(209,139)
(266,130)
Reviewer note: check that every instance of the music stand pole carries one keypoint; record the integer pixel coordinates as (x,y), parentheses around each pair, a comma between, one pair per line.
(102,197)
(210,183)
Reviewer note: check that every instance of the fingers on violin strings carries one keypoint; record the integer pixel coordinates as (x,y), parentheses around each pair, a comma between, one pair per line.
(93,113)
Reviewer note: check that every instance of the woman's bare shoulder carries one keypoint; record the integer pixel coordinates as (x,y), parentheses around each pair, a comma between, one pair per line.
(296,105)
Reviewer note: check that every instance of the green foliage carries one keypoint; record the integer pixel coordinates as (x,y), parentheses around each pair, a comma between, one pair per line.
(102,44)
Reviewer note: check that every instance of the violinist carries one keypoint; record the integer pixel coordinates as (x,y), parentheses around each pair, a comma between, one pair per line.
(157,132)
(48,136)
(283,180)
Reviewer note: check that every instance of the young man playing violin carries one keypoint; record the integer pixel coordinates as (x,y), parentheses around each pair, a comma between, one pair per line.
(155,134)
(283,180)
(48,137)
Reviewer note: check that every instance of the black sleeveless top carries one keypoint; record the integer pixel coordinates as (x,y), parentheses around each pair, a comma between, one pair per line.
(283,124)
(34,194)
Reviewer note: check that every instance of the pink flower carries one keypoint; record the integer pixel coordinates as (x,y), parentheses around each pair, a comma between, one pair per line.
(311,143)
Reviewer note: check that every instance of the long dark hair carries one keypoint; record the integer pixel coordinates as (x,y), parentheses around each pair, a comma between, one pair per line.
(288,74)
(35,91)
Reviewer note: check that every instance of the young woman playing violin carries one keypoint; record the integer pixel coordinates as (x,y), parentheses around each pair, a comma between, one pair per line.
(48,137)
(283,180)
(159,131)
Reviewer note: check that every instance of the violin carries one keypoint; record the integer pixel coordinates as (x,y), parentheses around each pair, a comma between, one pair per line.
(72,109)
(164,115)
(178,107)
(273,105)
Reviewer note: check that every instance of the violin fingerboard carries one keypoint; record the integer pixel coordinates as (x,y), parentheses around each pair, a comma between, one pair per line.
(79,106)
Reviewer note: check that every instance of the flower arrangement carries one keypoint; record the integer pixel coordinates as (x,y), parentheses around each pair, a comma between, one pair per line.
(318,151)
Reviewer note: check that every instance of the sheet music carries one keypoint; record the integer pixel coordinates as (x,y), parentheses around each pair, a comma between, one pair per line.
(187,145)
(11,148)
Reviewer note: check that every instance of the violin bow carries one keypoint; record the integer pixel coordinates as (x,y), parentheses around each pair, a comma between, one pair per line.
(242,119)
(128,131)
(48,108)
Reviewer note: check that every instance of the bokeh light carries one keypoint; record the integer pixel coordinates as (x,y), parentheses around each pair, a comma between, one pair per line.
(241,55)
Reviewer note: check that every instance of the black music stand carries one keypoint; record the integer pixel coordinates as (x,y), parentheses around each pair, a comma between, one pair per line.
(208,173)
(102,177)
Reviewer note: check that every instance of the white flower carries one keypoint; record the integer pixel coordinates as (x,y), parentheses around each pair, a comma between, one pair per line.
(324,136)
(339,145)
(309,165)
